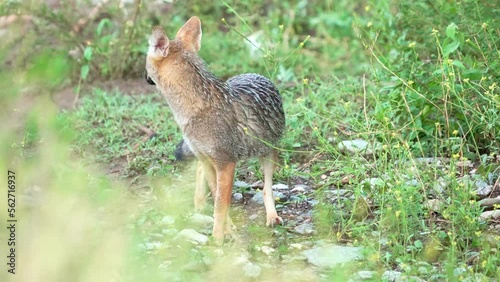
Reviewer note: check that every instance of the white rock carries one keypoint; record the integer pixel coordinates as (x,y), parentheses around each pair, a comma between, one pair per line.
(359,146)
(267,250)
(330,255)
(167,220)
(280,186)
(495,214)
(192,236)
(201,219)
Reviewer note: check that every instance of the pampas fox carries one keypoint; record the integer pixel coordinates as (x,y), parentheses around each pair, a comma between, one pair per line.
(222,121)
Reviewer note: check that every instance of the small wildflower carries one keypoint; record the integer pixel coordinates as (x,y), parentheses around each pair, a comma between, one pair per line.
(455,156)
(496,206)
(386,119)
(315,128)
(410,82)
(483,78)
(398,213)
(484,25)
(384,147)
(436,124)
(493,86)
(339,235)
(369,24)
(305,81)
(466,80)
(412,44)
(451,73)
(277,199)
(367,8)
(435,31)
(286,167)
(467,40)
(223,20)
(455,132)
(450,61)
(245,129)
(281,26)
(396,146)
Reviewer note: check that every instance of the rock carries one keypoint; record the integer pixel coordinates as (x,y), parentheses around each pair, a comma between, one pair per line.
(168,220)
(259,197)
(237,197)
(267,250)
(280,186)
(440,186)
(299,188)
(304,229)
(190,235)
(340,192)
(313,202)
(296,246)
(359,146)
(201,219)
(489,202)
(153,246)
(170,232)
(396,276)
(241,184)
(373,183)
(483,189)
(459,271)
(258,184)
(329,255)
(494,214)
(251,270)
(364,275)
(434,205)
(253,216)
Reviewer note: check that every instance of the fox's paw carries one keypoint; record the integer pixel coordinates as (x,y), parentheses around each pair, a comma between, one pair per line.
(273,220)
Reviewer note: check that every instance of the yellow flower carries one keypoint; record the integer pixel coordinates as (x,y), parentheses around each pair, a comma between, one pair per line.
(305,80)
(369,24)
(435,31)
(455,132)
(412,44)
(484,25)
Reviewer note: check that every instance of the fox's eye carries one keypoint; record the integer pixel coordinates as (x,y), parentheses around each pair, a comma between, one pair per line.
(148,79)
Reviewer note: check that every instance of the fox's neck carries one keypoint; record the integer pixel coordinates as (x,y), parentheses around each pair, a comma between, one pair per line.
(190,89)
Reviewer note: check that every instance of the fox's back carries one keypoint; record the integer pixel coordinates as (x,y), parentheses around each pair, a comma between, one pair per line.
(258,114)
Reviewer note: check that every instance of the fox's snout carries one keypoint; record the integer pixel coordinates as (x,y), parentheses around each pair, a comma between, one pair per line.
(148,78)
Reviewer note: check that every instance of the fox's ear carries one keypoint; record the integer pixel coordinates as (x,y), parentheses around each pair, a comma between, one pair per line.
(158,43)
(190,34)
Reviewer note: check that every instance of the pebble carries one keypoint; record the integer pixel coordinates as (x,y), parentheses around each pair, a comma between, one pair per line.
(267,250)
(241,184)
(259,197)
(329,255)
(280,186)
(359,146)
(489,202)
(304,229)
(237,197)
(494,214)
(483,188)
(168,220)
(192,236)
(201,219)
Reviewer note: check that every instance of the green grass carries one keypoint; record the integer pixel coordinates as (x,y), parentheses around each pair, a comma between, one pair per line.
(419,78)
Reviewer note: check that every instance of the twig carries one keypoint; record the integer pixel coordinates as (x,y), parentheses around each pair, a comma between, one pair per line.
(92,15)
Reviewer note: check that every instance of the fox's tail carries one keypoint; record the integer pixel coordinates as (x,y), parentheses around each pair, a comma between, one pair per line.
(183,152)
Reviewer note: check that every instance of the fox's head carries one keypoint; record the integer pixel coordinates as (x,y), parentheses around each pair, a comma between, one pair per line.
(164,52)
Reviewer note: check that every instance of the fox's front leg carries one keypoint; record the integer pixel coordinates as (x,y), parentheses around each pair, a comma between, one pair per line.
(222,199)
(200,194)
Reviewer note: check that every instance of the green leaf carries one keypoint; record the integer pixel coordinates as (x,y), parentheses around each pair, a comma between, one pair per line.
(101,25)
(450,48)
(451,31)
(458,64)
(87,53)
(418,244)
(84,72)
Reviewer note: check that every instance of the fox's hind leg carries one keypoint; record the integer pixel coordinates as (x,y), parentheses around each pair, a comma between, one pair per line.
(268,166)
